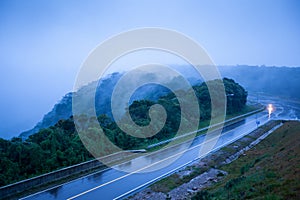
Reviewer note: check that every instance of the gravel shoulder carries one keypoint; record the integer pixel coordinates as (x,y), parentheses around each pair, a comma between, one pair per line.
(205,172)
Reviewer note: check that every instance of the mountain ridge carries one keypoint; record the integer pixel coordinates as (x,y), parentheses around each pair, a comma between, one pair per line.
(254,78)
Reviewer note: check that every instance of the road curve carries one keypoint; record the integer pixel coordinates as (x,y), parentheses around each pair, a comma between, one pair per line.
(114,183)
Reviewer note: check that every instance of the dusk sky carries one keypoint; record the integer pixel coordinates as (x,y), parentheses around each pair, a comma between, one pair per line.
(43,43)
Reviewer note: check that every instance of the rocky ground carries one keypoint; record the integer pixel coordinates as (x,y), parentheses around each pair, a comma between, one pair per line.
(203,173)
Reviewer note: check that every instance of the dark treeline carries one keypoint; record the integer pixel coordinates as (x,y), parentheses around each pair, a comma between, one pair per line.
(60,146)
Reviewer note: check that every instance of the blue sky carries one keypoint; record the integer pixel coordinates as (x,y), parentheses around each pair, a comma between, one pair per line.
(43,43)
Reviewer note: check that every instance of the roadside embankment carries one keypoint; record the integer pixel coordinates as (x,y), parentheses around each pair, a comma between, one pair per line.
(51,179)
(205,172)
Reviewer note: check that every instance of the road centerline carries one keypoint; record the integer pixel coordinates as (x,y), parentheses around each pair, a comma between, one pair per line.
(152,164)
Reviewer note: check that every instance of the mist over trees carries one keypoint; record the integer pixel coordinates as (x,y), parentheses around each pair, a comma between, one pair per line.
(276,81)
(60,146)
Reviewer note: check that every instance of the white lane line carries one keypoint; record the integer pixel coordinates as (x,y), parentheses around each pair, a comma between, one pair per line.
(161,176)
(56,186)
(205,128)
(121,177)
(46,190)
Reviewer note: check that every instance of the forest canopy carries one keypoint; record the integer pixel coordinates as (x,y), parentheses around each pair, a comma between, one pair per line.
(60,146)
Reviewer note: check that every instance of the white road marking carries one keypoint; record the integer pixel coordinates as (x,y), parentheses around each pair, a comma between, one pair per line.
(121,177)
(48,189)
(161,176)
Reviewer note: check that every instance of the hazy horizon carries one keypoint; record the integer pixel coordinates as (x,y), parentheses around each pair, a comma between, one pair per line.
(10,135)
(43,44)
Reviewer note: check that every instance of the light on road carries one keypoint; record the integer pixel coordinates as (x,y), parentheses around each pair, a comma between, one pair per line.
(270,109)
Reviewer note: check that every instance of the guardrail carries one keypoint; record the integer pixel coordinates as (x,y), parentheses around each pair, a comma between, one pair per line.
(206,128)
(60,174)
(21,186)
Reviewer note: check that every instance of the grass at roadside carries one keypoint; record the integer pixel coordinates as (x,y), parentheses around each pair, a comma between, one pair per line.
(271,170)
(205,123)
(214,160)
(167,184)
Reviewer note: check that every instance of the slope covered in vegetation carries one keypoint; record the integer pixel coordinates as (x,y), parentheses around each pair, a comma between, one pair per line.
(268,171)
(60,146)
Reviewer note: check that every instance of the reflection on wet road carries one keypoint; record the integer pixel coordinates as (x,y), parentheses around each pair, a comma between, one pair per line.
(114,183)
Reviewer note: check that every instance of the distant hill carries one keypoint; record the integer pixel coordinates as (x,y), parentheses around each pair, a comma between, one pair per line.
(63,109)
(277,81)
